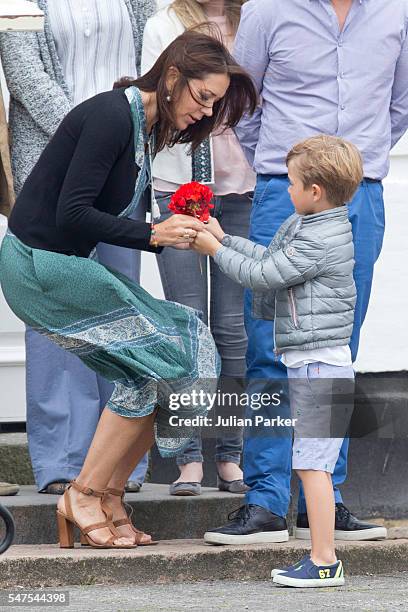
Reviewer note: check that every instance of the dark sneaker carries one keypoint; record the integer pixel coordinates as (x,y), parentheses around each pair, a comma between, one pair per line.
(347,527)
(250,524)
(277,571)
(307,574)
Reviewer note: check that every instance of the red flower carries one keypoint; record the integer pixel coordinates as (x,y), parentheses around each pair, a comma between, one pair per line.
(193,199)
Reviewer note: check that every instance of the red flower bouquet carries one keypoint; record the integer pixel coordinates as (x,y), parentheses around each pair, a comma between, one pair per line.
(193,199)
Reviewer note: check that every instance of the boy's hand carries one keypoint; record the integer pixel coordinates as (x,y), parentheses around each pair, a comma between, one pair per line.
(215,228)
(205,243)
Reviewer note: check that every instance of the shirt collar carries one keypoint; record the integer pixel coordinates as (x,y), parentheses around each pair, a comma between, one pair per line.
(359,1)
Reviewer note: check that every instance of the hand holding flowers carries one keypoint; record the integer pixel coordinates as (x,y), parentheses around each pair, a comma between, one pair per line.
(194,200)
(205,243)
(215,228)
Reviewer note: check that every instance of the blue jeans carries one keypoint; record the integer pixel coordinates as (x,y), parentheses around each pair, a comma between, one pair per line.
(267,461)
(184,282)
(65,398)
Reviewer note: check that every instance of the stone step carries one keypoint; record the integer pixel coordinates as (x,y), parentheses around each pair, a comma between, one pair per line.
(180,561)
(166,517)
(154,510)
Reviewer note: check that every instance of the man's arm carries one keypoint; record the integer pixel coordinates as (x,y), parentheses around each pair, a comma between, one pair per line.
(399,96)
(251,51)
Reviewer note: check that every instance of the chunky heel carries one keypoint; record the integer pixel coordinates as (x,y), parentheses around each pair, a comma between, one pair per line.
(65,531)
(66,522)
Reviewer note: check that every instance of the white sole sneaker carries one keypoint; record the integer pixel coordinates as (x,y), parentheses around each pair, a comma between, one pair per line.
(275,572)
(377,533)
(308,583)
(263,537)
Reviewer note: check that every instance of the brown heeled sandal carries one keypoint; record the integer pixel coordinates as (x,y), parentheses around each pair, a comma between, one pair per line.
(126,521)
(66,522)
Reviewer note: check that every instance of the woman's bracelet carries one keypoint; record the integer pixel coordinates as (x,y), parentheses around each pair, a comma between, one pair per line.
(153,240)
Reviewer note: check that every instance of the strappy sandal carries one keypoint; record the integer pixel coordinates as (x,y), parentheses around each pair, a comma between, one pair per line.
(66,522)
(126,521)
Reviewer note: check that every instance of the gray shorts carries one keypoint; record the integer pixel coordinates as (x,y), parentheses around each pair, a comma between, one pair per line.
(321,400)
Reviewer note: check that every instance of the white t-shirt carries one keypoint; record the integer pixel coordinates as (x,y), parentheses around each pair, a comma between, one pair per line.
(333,355)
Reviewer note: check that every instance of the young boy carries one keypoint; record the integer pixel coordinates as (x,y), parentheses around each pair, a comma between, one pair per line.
(304,280)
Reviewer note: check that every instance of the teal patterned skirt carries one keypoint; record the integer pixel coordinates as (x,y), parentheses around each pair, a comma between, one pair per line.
(148,348)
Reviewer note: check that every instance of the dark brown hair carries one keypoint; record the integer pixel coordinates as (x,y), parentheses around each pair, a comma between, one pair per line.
(196,55)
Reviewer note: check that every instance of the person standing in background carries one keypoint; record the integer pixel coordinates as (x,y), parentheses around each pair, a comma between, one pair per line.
(85,47)
(6,202)
(345,85)
(6,177)
(220,162)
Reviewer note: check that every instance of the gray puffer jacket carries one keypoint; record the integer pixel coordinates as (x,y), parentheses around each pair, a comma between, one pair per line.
(303,280)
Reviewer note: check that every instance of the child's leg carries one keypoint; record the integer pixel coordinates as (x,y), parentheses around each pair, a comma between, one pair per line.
(319,496)
(321,408)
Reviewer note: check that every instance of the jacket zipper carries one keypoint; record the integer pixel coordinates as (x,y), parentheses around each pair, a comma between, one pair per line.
(293,308)
(275,348)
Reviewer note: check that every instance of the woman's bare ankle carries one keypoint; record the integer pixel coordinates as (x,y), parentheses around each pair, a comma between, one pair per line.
(191,472)
(228,470)
(86,510)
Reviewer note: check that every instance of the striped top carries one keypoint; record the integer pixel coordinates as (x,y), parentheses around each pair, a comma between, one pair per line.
(94,42)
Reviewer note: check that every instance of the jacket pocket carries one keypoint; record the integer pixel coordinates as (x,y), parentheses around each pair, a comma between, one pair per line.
(292,306)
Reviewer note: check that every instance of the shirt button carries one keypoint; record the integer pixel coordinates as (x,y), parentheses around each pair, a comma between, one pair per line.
(340,43)
(342,107)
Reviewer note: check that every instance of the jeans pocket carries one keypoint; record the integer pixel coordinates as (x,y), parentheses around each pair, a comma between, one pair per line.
(163,200)
(260,194)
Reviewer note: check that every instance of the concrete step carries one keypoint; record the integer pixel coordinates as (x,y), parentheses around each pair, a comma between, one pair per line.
(166,517)
(154,510)
(181,561)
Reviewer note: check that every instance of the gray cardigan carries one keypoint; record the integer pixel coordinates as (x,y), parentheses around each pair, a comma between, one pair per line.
(39,96)
(303,280)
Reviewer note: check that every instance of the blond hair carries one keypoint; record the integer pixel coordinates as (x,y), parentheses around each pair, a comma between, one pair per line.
(192,14)
(330,162)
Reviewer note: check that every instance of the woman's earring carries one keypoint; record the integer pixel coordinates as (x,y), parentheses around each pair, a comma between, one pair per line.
(168,98)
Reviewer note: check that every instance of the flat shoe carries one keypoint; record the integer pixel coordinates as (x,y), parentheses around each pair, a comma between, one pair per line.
(185,488)
(232,486)
(6,488)
(132,486)
(56,488)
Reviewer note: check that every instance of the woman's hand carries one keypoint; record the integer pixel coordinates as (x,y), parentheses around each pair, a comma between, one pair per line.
(206,244)
(215,228)
(177,229)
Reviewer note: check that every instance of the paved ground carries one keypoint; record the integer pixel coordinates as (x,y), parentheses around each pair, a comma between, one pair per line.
(182,561)
(361,594)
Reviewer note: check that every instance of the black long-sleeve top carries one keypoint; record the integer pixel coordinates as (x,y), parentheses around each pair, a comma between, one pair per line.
(84,178)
